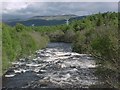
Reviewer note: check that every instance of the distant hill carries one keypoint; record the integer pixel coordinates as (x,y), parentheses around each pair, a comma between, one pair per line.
(44,20)
(55,17)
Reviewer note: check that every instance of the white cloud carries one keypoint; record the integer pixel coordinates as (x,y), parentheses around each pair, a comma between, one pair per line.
(29,9)
(13,6)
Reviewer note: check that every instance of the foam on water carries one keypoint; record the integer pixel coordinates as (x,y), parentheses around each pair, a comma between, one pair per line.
(11,75)
(58,65)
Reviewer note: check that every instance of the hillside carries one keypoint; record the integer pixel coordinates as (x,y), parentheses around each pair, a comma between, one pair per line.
(54,17)
(44,20)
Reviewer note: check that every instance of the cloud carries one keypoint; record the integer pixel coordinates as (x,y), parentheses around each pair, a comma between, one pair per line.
(59,1)
(13,6)
(29,9)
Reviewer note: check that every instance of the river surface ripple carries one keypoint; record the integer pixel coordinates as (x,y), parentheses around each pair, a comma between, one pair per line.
(53,67)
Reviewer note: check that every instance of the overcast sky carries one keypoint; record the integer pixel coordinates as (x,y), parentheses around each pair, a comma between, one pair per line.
(28,9)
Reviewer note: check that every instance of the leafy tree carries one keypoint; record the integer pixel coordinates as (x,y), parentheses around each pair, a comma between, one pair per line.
(19,27)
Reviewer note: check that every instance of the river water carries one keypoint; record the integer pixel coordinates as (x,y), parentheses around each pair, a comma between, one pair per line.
(53,67)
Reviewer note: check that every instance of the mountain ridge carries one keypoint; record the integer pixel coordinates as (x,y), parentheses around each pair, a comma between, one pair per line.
(44,20)
(54,17)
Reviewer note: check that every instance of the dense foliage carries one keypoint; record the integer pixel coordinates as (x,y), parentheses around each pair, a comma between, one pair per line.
(19,41)
(99,37)
(96,34)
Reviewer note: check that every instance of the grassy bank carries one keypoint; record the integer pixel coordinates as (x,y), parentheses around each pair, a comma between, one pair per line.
(19,42)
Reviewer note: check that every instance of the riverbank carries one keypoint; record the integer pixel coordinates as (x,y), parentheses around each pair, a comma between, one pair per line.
(17,44)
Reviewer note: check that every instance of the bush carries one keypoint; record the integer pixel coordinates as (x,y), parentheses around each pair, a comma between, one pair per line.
(19,43)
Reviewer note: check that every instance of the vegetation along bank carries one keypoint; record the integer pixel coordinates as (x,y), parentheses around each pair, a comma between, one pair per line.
(95,34)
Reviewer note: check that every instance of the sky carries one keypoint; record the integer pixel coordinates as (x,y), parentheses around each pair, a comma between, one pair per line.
(12,10)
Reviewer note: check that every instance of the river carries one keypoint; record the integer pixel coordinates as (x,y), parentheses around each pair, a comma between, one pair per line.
(56,66)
